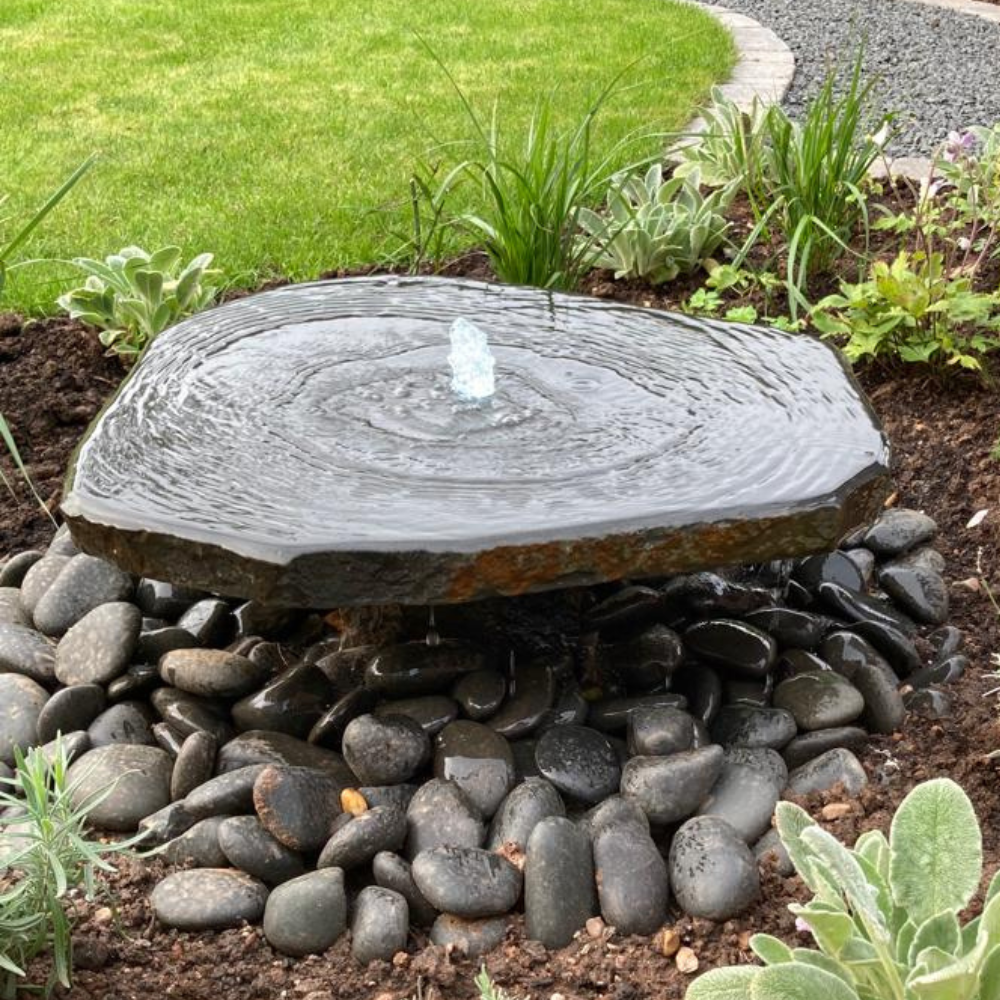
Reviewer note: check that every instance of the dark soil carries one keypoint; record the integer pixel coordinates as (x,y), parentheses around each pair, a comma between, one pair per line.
(52,381)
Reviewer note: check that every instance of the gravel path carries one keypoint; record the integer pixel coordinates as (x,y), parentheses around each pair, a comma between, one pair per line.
(939,70)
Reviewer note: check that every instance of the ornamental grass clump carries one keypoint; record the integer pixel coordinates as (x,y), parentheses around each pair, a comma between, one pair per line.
(45,852)
(884,916)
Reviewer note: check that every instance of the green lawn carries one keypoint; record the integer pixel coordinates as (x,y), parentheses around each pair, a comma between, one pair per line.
(280,134)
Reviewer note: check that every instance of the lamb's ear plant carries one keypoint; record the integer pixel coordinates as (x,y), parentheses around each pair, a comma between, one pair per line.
(884,916)
(132,296)
(46,851)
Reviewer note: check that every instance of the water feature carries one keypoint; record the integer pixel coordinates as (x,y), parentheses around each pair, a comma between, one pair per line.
(304,446)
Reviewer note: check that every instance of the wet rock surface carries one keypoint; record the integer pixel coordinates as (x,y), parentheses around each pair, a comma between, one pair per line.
(687,706)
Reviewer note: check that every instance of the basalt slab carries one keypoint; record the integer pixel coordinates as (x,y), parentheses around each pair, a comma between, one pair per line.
(303,447)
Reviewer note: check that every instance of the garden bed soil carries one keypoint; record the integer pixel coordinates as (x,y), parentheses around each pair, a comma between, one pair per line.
(53,379)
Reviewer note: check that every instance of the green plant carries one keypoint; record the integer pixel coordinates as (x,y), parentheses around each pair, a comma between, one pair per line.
(11,445)
(883,915)
(21,237)
(488,990)
(133,295)
(730,147)
(656,228)
(46,852)
(912,309)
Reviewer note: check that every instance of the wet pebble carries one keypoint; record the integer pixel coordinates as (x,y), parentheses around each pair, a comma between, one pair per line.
(249,847)
(898,531)
(123,783)
(385,751)
(211,673)
(229,794)
(611,715)
(291,703)
(21,704)
(126,722)
(579,762)
(70,709)
(266,747)
(27,652)
(528,803)
(732,644)
(791,627)
(357,839)
(809,745)
(83,584)
(306,915)
(98,648)
(478,760)
(646,660)
(297,805)
(12,612)
(14,569)
(391,871)
(328,730)
(929,703)
(432,712)
(920,592)
(531,695)
(210,621)
(826,771)
(187,713)
(750,726)
(748,789)
(830,567)
(194,764)
(480,693)
(879,687)
(819,699)
(165,824)
(39,578)
(198,846)
(659,731)
(440,814)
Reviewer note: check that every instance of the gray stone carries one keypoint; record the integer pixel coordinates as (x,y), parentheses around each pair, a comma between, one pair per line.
(578,761)
(194,764)
(165,824)
(328,730)
(27,652)
(826,771)
(418,668)
(188,713)
(769,850)
(39,578)
(263,747)
(712,872)
(355,840)
(558,882)
(297,805)
(13,570)
(472,938)
(527,804)
(249,847)
(62,543)
(21,703)
(306,915)
(701,686)
(432,712)
(879,687)
(531,695)
(616,809)
(139,681)
(440,814)
(864,560)
(135,778)
(468,882)
(658,732)
(380,926)
(611,715)
(164,735)
(69,710)
(919,592)
(631,875)
(84,583)
(478,760)
(898,531)
(925,557)
(669,789)
(790,627)
(945,670)
(198,846)
(126,722)
(748,726)
(830,567)
(895,645)
(385,751)
(732,644)
(819,699)
(229,794)
(291,703)
(211,673)
(747,791)
(210,621)
(644,661)
(159,599)
(809,745)
(865,609)
(11,610)
(394,872)
(208,899)
(480,693)
(70,746)
(929,703)
(98,648)
(153,644)
(399,796)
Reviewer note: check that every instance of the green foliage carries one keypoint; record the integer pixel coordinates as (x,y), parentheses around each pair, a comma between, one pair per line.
(11,247)
(970,164)
(11,445)
(730,148)
(912,309)
(488,990)
(884,915)
(44,844)
(133,295)
(655,228)
(710,300)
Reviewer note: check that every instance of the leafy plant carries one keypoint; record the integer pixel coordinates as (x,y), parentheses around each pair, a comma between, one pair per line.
(730,147)
(656,228)
(11,445)
(46,849)
(14,244)
(488,990)
(913,309)
(133,295)
(883,915)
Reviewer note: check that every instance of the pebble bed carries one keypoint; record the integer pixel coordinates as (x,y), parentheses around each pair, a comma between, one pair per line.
(936,68)
(320,786)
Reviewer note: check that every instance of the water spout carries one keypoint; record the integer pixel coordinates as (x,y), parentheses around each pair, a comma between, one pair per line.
(471,362)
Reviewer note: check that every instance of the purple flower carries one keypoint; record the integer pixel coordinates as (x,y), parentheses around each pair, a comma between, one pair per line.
(959,145)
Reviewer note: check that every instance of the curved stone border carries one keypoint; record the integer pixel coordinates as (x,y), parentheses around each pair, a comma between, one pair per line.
(764,67)
(988,11)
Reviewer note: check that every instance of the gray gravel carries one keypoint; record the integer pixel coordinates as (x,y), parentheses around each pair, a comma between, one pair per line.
(937,69)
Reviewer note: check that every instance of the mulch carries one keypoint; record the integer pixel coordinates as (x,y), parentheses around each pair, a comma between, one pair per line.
(53,379)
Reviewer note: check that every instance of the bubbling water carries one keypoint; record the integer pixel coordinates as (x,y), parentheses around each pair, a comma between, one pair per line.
(472,363)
